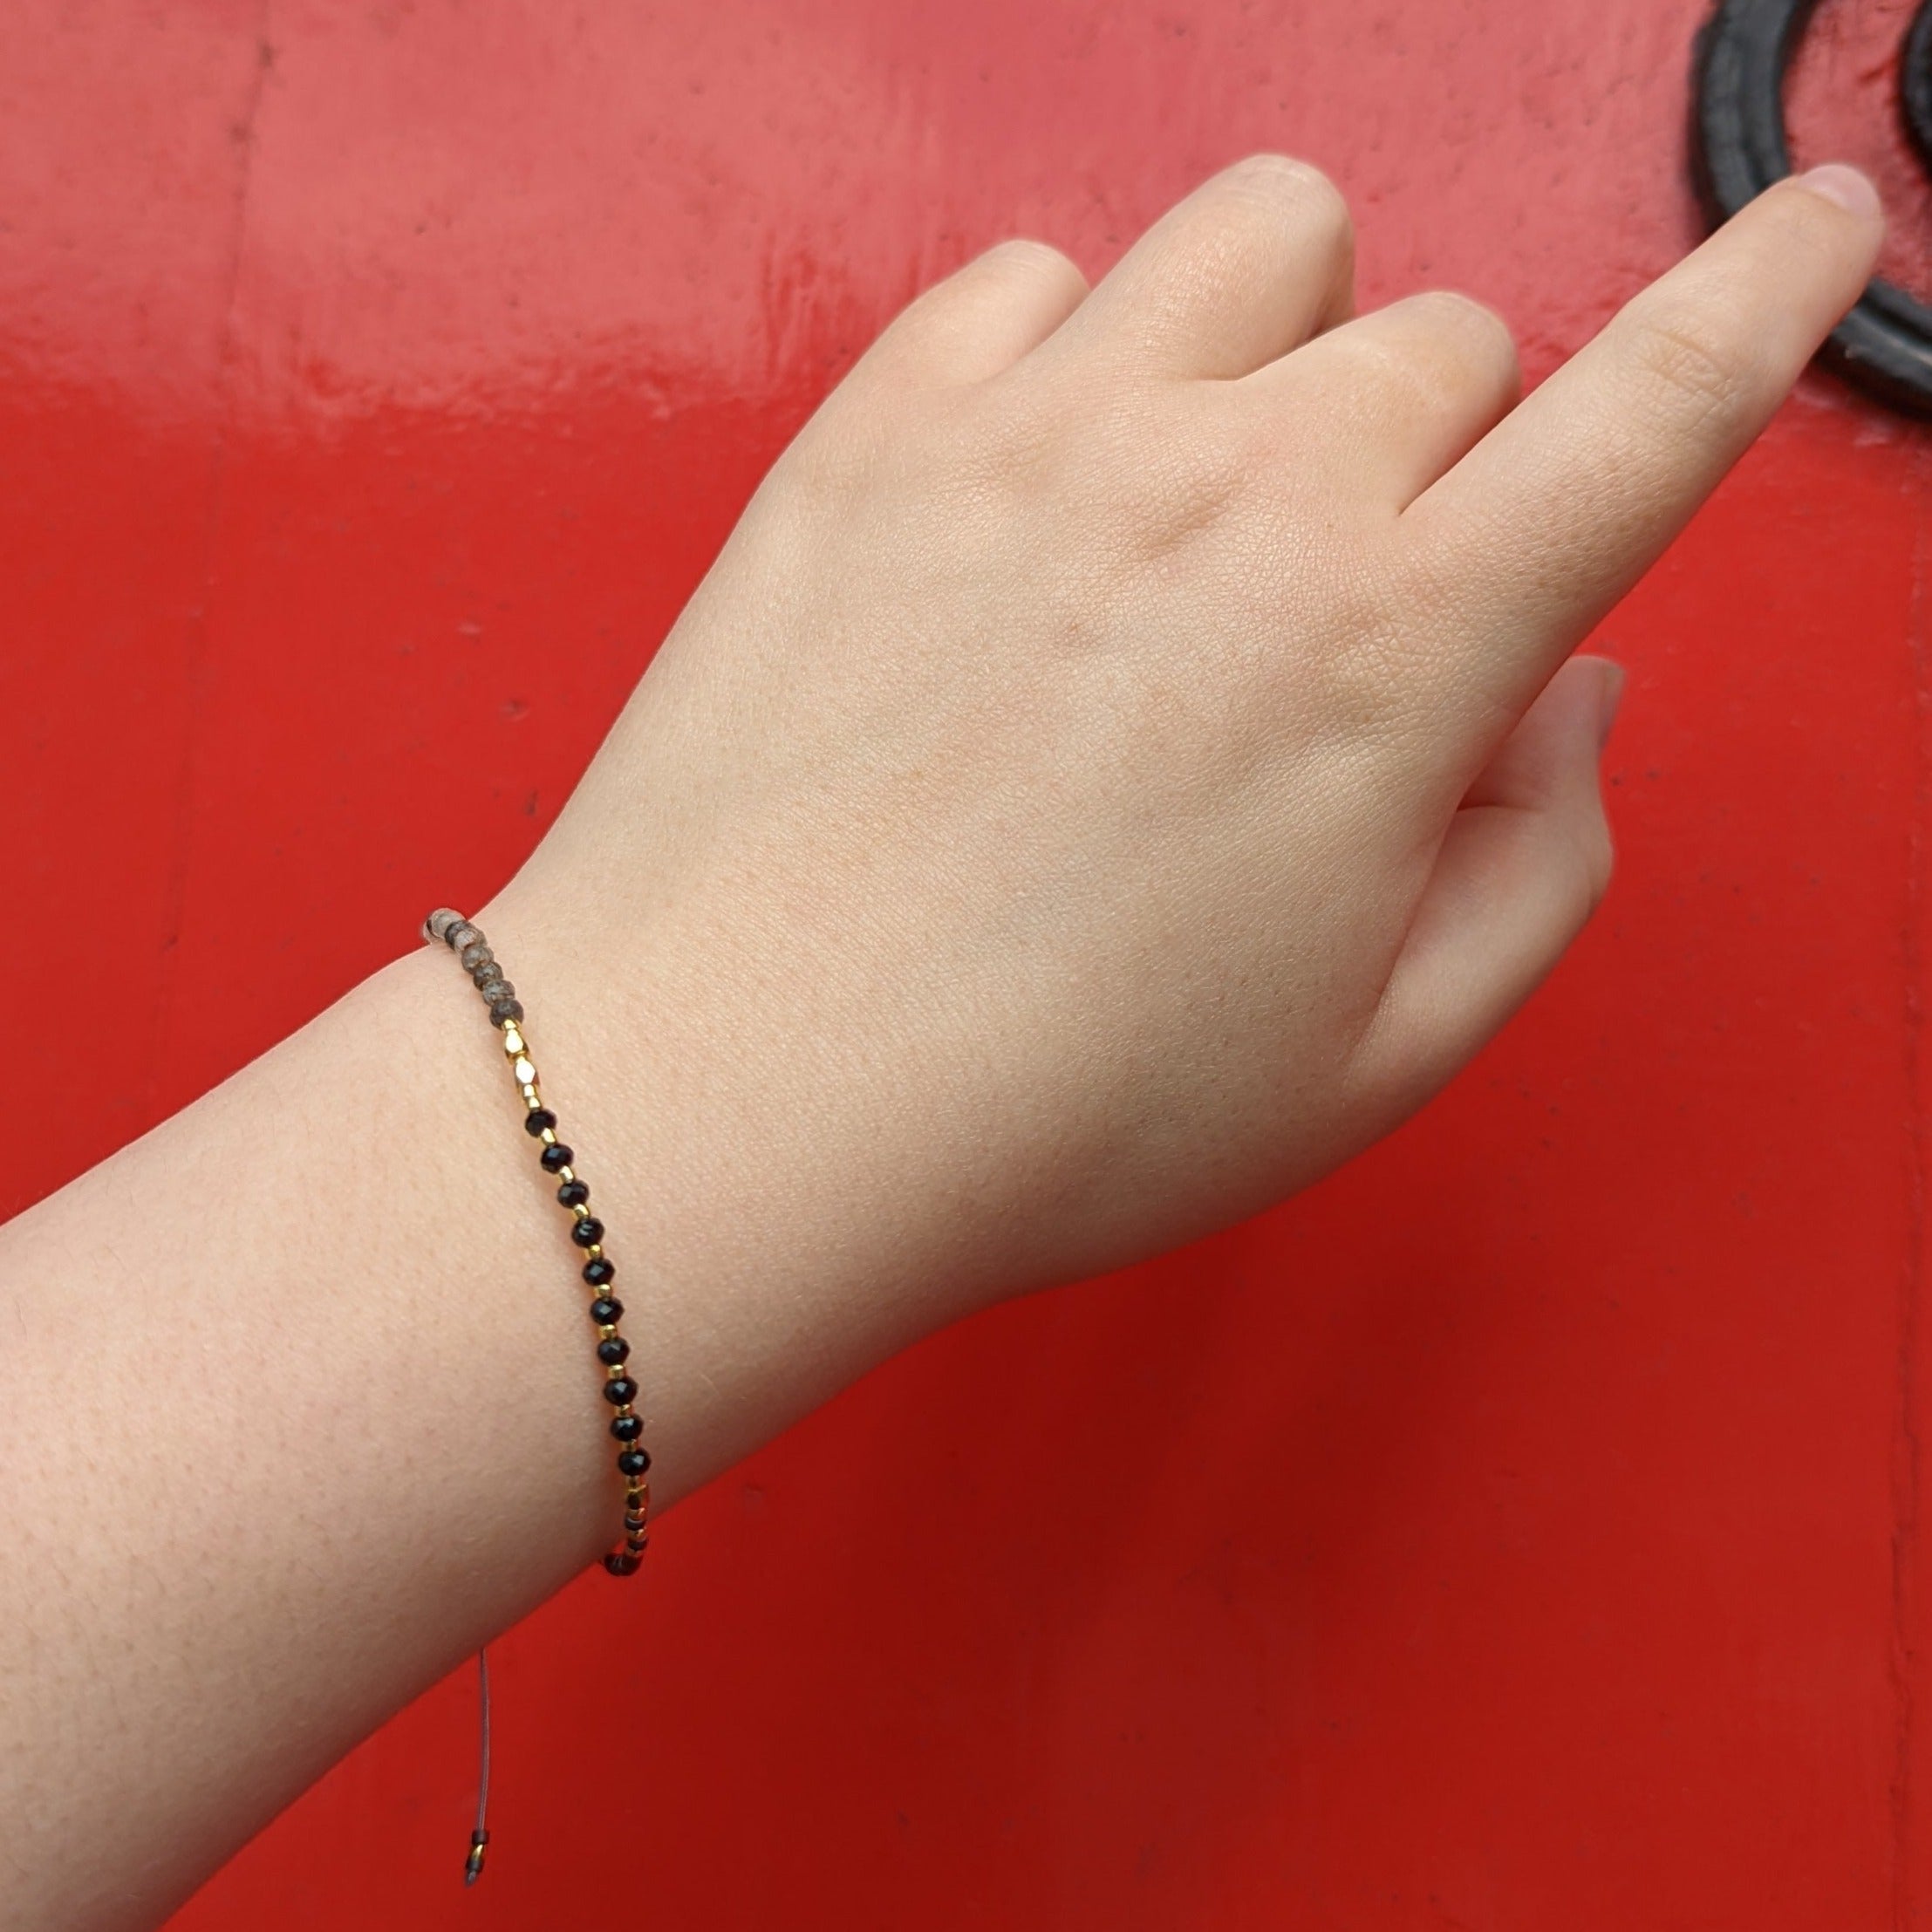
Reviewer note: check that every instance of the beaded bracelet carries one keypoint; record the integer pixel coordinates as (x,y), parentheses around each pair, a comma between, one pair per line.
(620,1387)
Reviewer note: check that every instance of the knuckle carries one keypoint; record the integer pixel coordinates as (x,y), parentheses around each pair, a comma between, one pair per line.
(829,464)
(864,442)
(1356,680)
(1391,376)
(1384,362)
(897,345)
(1428,346)
(1277,178)
(1696,363)
(1038,261)
(1478,332)
(1151,478)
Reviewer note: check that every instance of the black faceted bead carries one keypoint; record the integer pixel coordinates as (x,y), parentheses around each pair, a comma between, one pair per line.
(537,1119)
(555,1155)
(600,1270)
(573,1193)
(501,1012)
(587,1232)
(627,1428)
(618,1391)
(612,1350)
(620,1563)
(634,1462)
(606,1310)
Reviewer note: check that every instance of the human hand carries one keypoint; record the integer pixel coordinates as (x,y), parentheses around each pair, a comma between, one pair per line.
(1125,759)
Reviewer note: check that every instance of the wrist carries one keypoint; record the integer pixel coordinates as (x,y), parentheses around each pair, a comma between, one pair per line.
(769,1200)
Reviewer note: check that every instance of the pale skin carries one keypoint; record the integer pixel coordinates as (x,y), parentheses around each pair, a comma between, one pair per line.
(1126,758)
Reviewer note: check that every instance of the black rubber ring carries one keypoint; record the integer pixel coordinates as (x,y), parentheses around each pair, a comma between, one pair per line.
(1915,83)
(1738,149)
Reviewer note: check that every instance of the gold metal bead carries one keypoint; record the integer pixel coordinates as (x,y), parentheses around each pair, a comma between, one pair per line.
(513,1041)
(605,1330)
(580,1211)
(565,1174)
(593,1253)
(622,1409)
(613,1372)
(524,1070)
(549,1137)
(531,1097)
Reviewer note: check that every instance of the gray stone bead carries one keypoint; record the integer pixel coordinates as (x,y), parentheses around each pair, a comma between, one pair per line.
(475,956)
(460,935)
(501,1011)
(486,977)
(437,925)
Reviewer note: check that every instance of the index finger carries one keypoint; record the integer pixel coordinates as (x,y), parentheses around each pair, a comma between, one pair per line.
(1536,532)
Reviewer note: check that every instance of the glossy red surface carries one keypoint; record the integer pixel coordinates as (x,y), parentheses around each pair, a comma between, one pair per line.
(1523,1530)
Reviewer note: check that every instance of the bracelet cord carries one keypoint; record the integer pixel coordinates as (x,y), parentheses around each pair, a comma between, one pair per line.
(620,1388)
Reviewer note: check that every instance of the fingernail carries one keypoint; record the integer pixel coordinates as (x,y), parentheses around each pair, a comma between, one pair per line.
(1609,696)
(1851,190)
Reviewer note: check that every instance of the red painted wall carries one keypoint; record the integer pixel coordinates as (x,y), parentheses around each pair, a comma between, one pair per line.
(1524,1530)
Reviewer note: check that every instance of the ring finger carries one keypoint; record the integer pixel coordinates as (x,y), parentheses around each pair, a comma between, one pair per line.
(1406,390)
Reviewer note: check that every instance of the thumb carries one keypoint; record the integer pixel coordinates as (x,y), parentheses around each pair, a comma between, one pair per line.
(1525,861)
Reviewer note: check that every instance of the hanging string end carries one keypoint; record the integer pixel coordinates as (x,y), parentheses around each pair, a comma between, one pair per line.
(479,1838)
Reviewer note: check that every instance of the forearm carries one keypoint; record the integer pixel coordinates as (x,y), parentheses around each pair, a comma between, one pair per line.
(300,1405)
